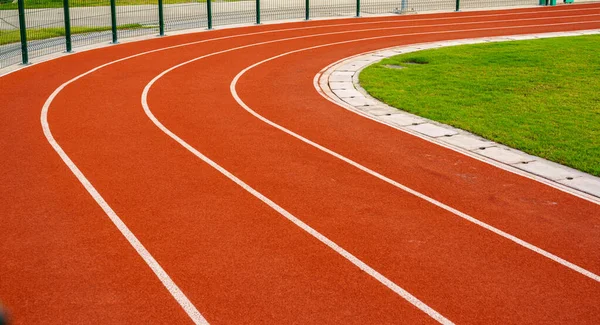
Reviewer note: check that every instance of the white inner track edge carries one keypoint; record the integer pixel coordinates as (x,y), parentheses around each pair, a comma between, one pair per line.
(508,168)
(403,293)
(152,263)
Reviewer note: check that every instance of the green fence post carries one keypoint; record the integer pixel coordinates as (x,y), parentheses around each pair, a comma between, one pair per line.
(67,25)
(161,19)
(307,10)
(113,20)
(209,13)
(457,5)
(258,12)
(357,8)
(23,30)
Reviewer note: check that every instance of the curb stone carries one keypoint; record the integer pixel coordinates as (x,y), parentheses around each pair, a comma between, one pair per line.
(339,83)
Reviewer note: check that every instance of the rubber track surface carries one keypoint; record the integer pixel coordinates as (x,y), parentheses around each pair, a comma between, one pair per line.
(234,257)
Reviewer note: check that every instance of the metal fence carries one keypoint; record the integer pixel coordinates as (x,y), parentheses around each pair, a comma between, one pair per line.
(33,28)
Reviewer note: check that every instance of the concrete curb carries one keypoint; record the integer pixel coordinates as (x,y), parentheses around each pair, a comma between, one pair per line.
(339,83)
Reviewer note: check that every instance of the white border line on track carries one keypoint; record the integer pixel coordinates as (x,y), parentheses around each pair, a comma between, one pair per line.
(328,242)
(463,215)
(189,308)
(397,289)
(181,298)
(175,291)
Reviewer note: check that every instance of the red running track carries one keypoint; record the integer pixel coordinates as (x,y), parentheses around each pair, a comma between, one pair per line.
(302,237)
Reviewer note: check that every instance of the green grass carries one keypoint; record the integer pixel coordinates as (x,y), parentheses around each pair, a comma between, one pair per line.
(538,96)
(35,4)
(13,36)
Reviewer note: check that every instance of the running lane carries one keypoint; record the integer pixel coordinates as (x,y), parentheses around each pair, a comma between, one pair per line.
(63,261)
(521,206)
(465,272)
(237,260)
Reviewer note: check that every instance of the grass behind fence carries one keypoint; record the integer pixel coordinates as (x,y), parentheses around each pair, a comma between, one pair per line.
(36,4)
(13,36)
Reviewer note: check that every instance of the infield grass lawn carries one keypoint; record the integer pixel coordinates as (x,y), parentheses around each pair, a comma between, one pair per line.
(539,96)
(13,36)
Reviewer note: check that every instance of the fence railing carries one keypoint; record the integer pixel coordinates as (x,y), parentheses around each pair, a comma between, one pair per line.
(33,28)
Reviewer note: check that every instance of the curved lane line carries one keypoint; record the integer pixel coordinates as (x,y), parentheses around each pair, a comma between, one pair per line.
(183,301)
(394,183)
(382,279)
(465,216)
(175,291)
(190,309)
(331,244)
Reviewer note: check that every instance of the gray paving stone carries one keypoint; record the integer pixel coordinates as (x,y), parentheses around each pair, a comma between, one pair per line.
(354,65)
(432,130)
(504,155)
(551,35)
(521,37)
(547,169)
(382,111)
(342,73)
(589,32)
(467,142)
(386,53)
(503,39)
(370,58)
(347,93)
(428,46)
(571,33)
(402,119)
(340,78)
(451,43)
(586,184)
(360,101)
(408,49)
(464,41)
(335,85)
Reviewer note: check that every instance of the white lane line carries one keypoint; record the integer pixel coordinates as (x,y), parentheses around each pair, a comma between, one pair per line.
(465,216)
(403,293)
(347,255)
(175,291)
(190,309)
(183,301)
